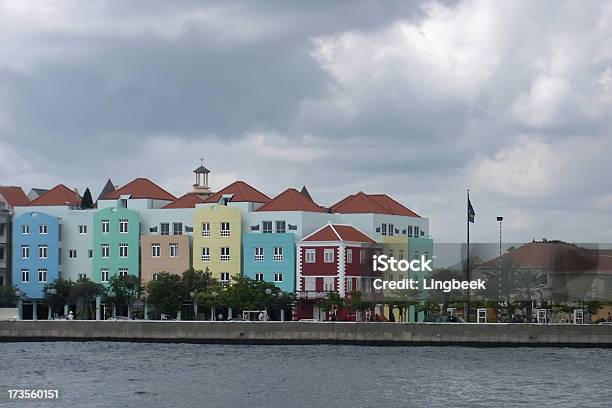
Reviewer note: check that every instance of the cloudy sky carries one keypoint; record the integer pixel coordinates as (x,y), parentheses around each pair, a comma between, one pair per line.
(419,100)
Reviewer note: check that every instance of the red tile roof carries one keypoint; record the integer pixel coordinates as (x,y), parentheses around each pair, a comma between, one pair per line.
(338,232)
(242,193)
(291,200)
(359,203)
(189,200)
(14,196)
(58,195)
(141,188)
(393,206)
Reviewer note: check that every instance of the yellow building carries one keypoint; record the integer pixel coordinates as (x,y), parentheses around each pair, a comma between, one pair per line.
(396,247)
(216,241)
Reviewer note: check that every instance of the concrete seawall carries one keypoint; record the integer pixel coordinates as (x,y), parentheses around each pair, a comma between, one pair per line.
(311,333)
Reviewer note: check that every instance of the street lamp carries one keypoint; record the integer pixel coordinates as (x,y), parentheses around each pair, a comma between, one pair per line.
(499,289)
(500,219)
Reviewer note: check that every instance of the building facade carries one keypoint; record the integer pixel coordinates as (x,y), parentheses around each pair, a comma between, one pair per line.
(270,258)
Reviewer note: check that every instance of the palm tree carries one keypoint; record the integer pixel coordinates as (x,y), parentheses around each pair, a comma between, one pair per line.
(530,286)
(503,283)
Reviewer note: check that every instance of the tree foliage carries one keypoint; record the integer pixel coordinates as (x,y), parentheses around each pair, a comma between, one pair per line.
(84,293)
(87,201)
(8,296)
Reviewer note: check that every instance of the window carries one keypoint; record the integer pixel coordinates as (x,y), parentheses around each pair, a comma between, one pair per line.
(225,254)
(105,226)
(123,250)
(123,271)
(82,229)
(42,275)
(42,229)
(311,256)
(173,250)
(267,227)
(310,283)
(384,229)
(2,229)
(25,229)
(362,256)
(278,253)
(401,254)
(82,276)
(155,250)
(225,229)
(280,227)
(390,253)
(328,256)
(409,231)
(42,251)
(155,275)
(349,285)
(25,275)
(416,232)
(328,284)
(259,277)
(123,226)
(206,229)
(104,273)
(164,228)
(349,256)
(391,232)
(177,228)
(90,253)
(278,277)
(205,254)
(72,253)
(25,251)
(105,250)
(259,253)
(225,277)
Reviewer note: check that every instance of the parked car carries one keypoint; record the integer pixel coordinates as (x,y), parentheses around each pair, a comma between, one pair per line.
(443,319)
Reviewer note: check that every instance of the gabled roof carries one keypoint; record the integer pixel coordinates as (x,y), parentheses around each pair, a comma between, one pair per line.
(189,200)
(305,193)
(109,187)
(14,196)
(58,195)
(291,200)
(242,193)
(338,232)
(359,203)
(393,206)
(141,188)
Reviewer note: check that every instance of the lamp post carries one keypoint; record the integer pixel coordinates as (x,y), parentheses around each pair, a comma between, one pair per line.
(51,291)
(499,288)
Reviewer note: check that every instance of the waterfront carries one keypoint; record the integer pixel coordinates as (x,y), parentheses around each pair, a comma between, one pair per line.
(108,374)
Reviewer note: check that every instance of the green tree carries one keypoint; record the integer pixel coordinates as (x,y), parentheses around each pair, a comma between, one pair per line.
(84,293)
(530,288)
(58,294)
(126,289)
(332,302)
(439,296)
(503,283)
(8,296)
(248,294)
(166,294)
(87,201)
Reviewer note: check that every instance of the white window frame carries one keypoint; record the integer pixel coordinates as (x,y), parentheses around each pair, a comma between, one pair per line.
(224,254)
(175,228)
(265,230)
(42,275)
(173,250)
(25,229)
(105,226)
(328,284)
(278,253)
(123,272)
(278,277)
(225,229)
(123,250)
(328,255)
(43,251)
(349,255)
(25,275)
(206,229)
(104,272)
(82,229)
(25,252)
(310,255)
(205,254)
(225,278)
(90,253)
(259,254)
(43,229)
(155,250)
(105,251)
(259,276)
(166,230)
(310,283)
(281,230)
(362,256)
(123,226)
(72,254)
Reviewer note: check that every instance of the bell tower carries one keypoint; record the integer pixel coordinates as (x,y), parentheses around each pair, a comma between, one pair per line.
(201,187)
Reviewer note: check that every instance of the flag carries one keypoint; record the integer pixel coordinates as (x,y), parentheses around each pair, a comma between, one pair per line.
(470,211)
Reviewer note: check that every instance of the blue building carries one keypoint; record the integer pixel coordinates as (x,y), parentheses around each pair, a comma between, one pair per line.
(36,247)
(270,258)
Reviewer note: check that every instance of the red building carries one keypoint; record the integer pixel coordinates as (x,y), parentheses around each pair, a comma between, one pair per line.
(335,258)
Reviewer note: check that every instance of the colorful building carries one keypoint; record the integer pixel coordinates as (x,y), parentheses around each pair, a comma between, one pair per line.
(10,197)
(270,258)
(335,258)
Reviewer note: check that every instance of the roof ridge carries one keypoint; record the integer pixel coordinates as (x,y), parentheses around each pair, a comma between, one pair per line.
(336,232)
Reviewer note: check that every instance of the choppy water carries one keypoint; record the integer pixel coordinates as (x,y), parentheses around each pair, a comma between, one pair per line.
(104,374)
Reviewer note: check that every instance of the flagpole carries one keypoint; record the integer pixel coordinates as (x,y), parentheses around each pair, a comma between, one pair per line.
(467,306)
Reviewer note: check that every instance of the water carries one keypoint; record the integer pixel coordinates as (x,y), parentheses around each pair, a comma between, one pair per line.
(105,374)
